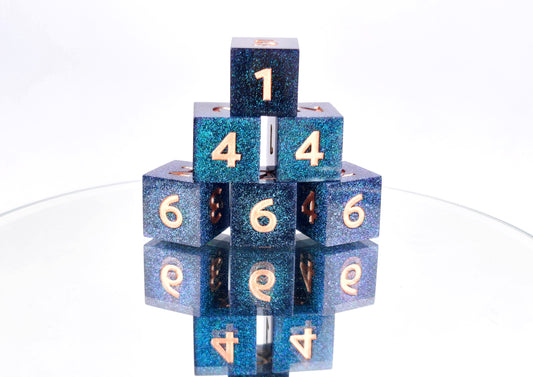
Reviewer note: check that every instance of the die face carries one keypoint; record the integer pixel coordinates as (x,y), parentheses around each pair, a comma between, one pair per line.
(310,144)
(262,281)
(264,77)
(186,279)
(333,279)
(176,209)
(263,214)
(225,345)
(335,213)
(226,149)
(303,342)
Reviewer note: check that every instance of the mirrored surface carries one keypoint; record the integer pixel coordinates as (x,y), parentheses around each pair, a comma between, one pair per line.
(454,294)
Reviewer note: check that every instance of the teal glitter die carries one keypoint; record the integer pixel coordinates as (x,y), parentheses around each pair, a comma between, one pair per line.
(225,345)
(264,76)
(262,281)
(226,149)
(263,213)
(176,209)
(333,279)
(338,212)
(310,144)
(187,279)
(303,342)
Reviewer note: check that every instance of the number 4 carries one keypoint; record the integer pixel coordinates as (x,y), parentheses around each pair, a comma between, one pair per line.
(304,343)
(312,143)
(228,352)
(231,156)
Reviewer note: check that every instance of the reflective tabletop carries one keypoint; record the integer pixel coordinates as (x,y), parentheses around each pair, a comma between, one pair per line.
(454,294)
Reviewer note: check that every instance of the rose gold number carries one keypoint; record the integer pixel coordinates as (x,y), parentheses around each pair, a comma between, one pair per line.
(258,211)
(346,282)
(257,288)
(312,143)
(308,207)
(229,341)
(214,271)
(266,75)
(166,207)
(168,283)
(308,272)
(231,156)
(215,217)
(304,343)
(265,42)
(350,208)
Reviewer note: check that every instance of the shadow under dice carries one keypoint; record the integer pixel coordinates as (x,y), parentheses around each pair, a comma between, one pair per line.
(303,342)
(310,144)
(338,212)
(187,279)
(262,281)
(225,345)
(263,214)
(329,280)
(264,77)
(226,149)
(176,209)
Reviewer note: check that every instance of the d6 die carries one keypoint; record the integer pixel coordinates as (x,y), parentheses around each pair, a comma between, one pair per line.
(262,281)
(310,144)
(303,342)
(187,279)
(264,76)
(225,345)
(226,149)
(263,214)
(337,278)
(176,209)
(339,212)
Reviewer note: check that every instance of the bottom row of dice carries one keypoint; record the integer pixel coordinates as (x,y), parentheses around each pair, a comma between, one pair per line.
(227,344)
(225,288)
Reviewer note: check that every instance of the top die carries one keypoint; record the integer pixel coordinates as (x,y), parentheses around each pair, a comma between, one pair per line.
(264,77)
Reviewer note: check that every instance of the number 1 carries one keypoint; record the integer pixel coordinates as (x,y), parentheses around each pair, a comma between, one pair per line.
(266,75)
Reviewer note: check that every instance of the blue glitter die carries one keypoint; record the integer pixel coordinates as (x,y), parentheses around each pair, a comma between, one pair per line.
(264,76)
(335,213)
(263,213)
(226,149)
(176,209)
(262,281)
(329,280)
(225,345)
(187,279)
(303,342)
(310,144)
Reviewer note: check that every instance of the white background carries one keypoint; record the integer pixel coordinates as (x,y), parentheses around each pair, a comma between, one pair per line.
(437,95)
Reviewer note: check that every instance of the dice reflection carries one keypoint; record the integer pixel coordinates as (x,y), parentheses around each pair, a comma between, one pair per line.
(187,279)
(262,281)
(225,345)
(303,342)
(333,279)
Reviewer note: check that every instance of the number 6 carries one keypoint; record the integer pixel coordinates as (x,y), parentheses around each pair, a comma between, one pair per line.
(258,211)
(349,209)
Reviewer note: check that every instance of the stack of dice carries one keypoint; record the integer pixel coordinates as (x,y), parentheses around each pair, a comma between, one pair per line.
(264,299)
